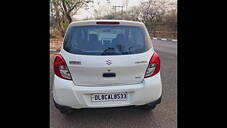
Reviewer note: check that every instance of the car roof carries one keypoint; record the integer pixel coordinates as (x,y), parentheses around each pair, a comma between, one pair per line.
(93,22)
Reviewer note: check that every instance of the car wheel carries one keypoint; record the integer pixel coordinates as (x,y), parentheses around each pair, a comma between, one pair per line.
(151,105)
(147,107)
(66,111)
(63,109)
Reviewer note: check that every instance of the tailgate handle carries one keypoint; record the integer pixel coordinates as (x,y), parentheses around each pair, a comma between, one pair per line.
(109,74)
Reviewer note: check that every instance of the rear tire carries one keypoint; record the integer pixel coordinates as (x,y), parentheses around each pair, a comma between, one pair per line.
(66,111)
(63,109)
(151,105)
(148,107)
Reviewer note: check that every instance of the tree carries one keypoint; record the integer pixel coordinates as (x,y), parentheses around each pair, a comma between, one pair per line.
(63,10)
(157,15)
(170,21)
(132,14)
(151,13)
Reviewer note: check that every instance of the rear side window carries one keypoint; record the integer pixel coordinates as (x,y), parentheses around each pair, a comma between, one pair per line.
(105,40)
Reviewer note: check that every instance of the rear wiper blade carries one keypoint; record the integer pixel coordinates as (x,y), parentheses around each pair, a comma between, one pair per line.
(108,51)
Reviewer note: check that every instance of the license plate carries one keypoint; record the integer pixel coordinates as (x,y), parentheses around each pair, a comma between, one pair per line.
(109,97)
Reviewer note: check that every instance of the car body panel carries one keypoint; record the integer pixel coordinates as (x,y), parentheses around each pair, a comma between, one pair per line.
(129,69)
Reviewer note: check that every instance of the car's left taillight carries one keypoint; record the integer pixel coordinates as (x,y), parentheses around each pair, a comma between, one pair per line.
(61,69)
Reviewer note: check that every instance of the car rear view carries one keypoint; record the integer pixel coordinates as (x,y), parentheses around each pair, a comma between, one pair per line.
(106,63)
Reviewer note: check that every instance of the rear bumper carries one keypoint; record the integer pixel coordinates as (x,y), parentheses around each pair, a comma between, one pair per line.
(65,93)
(151,104)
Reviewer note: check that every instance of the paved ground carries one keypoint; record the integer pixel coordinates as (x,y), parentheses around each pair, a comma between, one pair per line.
(163,116)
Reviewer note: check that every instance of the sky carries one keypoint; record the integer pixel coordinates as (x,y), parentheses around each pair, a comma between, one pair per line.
(105,5)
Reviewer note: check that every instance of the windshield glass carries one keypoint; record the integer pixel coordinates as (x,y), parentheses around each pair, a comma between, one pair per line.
(105,40)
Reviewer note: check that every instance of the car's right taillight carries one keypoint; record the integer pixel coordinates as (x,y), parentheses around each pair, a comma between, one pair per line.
(61,69)
(153,67)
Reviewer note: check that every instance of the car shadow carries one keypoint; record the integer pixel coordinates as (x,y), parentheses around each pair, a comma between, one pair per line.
(109,117)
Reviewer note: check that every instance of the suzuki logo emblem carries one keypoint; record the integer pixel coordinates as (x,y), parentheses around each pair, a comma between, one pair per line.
(108,62)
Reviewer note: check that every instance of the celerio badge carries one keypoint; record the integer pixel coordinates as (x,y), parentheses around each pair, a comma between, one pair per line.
(75,62)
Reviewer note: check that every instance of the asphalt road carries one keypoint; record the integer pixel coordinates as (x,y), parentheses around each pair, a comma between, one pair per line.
(163,116)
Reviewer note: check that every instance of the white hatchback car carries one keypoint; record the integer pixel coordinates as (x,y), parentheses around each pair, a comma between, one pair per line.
(106,63)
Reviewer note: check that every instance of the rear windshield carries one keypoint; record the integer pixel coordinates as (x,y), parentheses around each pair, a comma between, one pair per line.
(105,40)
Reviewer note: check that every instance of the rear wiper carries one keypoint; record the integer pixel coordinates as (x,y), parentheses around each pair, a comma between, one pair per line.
(129,51)
(109,51)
